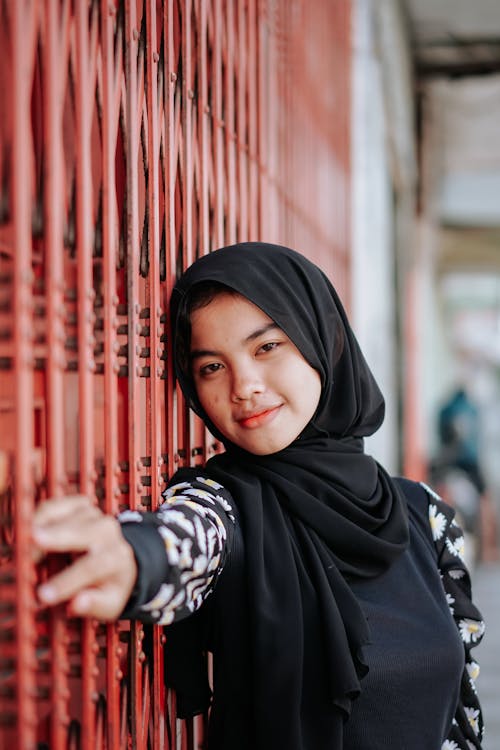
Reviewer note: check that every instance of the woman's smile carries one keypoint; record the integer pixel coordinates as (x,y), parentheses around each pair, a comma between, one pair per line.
(259,418)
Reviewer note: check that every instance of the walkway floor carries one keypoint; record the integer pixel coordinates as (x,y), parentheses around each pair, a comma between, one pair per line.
(486,593)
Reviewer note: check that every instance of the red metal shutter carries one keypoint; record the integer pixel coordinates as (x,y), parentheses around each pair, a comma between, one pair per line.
(135,136)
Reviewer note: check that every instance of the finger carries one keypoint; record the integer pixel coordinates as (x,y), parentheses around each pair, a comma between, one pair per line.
(111,564)
(79,575)
(83,573)
(103,603)
(76,534)
(58,508)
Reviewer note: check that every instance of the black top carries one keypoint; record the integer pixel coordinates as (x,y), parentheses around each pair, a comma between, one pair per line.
(416,658)
(419,692)
(422,620)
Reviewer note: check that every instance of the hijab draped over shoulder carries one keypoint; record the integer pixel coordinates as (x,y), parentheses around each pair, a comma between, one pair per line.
(314,516)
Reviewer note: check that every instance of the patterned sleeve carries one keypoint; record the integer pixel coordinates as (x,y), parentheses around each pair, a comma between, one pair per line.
(467,729)
(180,549)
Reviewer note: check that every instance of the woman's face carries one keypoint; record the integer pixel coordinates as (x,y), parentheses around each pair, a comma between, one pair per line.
(252,381)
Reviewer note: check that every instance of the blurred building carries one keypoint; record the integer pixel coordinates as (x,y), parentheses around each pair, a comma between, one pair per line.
(457,254)
(426,214)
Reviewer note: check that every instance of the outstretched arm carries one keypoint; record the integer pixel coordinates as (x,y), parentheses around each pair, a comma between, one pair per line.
(157,567)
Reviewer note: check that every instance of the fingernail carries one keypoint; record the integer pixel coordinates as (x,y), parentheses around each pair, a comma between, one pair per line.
(39,534)
(46,593)
(81,603)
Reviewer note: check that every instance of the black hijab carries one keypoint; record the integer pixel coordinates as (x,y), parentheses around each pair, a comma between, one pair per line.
(314,516)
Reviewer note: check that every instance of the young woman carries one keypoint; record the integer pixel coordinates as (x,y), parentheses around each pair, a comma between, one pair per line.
(333,597)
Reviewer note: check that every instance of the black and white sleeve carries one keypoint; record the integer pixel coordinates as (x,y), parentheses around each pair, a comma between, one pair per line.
(180,549)
(466,732)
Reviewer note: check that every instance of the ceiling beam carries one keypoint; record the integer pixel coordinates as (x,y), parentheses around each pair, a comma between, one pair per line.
(456,69)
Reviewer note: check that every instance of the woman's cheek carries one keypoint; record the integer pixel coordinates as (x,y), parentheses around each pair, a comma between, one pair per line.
(209,400)
(216,399)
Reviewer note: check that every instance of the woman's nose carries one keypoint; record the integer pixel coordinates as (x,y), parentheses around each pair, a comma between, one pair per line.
(246,384)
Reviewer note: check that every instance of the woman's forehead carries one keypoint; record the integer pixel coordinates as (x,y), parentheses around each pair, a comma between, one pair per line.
(229,316)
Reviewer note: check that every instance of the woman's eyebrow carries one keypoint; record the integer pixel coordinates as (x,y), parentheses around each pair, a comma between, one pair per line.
(196,353)
(260,332)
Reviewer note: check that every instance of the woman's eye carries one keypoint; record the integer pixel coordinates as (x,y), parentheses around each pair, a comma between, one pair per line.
(269,346)
(210,368)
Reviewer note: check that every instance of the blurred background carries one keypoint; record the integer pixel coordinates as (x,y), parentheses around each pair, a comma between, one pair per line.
(136,136)
(426,238)
(426,221)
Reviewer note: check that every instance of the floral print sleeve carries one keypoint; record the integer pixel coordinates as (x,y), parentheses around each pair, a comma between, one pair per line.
(180,549)
(467,729)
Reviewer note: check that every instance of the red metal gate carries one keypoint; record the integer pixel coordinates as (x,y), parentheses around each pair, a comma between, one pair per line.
(134,136)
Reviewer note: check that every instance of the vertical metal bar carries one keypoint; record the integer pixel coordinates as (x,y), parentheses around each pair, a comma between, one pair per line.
(86,59)
(252,122)
(218,125)
(132,149)
(186,173)
(413,458)
(230,125)
(54,69)
(346,33)
(156,312)
(277,134)
(109,123)
(24,22)
(174,94)
(203,126)
(169,161)
(197,137)
(153,198)
(187,127)
(272,126)
(265,71)
(282,125)
(289,126)
(243,60)
(133,114)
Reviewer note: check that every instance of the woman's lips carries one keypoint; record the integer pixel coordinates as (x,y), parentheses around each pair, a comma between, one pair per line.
(257,420)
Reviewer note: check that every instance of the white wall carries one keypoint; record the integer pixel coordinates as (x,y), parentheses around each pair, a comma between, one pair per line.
(382,165)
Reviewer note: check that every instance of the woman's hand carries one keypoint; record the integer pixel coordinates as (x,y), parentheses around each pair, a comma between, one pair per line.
(99,582)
